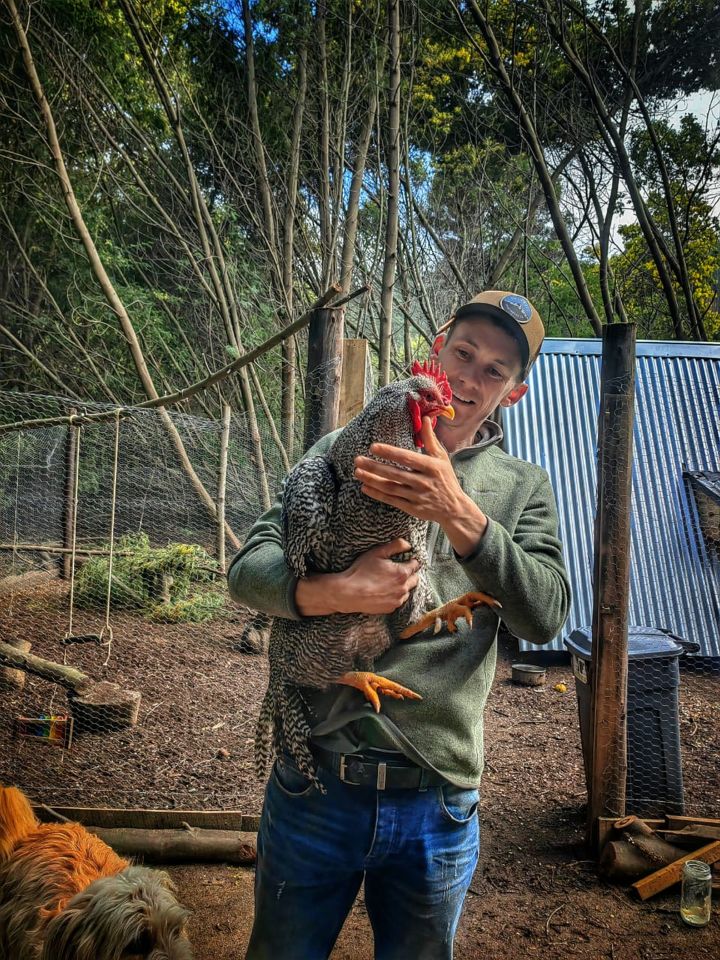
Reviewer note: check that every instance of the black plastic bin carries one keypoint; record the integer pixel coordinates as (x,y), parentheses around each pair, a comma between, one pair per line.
(654,775)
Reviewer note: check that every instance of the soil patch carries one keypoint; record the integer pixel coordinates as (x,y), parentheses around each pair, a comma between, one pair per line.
(535,892)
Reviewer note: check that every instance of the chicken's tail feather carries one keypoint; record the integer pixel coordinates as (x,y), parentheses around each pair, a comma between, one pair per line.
(282,728)
(17,820)
(295,734)
(264,735)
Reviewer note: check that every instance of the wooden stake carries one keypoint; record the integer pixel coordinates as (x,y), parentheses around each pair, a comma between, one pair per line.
(222,484)
(611,580)
(70,491)
(324,365)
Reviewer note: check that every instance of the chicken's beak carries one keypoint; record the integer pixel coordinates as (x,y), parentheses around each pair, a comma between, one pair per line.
(448,412)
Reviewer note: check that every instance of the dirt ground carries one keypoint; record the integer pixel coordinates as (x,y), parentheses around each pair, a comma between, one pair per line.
(536,891)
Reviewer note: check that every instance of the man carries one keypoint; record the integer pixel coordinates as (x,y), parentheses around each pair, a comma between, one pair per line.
(401,786)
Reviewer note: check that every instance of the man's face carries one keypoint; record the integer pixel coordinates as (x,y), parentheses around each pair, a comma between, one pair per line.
(483,365)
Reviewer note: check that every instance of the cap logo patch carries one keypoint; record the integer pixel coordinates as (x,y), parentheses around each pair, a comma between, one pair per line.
(517,306)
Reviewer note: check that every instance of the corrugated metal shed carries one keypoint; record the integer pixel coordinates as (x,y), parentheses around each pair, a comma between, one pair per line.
(675,578)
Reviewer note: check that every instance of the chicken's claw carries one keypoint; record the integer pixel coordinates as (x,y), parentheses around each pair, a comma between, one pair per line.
(370,685)
(450,612)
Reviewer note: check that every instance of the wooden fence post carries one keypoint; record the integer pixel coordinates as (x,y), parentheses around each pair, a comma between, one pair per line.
(70,496)
(222,485)
(324,365)
(611,577)
(354,382)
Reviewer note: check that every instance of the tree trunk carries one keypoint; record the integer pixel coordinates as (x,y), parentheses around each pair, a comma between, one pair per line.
(98,267)
(393,163)
(495,61)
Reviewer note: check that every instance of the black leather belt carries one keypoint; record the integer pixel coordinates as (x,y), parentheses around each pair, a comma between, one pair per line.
(362,770)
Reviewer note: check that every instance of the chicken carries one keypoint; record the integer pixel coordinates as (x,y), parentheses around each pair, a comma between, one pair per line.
(327,522)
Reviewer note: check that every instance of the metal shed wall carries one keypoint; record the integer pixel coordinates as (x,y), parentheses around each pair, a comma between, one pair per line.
(675,579)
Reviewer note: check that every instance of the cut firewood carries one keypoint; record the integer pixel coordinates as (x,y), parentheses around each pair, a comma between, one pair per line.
(606,829)
(191,845)
(672,873)
(636,852)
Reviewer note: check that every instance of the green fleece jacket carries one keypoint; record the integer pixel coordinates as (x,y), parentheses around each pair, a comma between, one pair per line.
(518,561)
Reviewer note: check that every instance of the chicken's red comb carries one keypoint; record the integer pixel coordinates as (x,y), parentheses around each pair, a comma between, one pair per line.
(432,369)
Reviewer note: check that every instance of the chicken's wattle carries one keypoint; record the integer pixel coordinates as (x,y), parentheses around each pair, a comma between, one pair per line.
(441,408)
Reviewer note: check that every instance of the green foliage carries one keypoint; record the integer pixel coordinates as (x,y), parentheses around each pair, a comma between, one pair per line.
(170,583)
(198,608)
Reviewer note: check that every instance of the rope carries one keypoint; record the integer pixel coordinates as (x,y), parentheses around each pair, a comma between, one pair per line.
(108,628)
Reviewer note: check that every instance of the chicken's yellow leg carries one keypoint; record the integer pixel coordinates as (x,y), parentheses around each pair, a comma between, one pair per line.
(370,685)
(450,612)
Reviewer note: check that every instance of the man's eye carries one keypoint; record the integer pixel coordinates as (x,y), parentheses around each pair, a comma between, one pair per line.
(463,354)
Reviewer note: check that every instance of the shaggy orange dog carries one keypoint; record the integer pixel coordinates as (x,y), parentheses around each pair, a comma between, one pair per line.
(64,895)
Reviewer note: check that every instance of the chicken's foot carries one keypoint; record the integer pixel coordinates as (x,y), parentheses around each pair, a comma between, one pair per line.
(370,685)
(450,612)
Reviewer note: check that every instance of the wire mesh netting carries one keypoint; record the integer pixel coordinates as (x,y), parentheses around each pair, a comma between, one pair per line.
(130,657)
(144,693)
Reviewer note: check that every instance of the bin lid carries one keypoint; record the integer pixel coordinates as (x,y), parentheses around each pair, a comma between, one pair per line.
(643,643)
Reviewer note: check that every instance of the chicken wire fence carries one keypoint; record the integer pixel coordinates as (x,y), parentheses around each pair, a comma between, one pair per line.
(129,657)
(163,715)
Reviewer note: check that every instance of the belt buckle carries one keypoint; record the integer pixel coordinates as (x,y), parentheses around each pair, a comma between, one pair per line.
(341,772)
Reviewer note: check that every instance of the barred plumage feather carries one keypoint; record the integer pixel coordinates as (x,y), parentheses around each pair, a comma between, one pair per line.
(328,522)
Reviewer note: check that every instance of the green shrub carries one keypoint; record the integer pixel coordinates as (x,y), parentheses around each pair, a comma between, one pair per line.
(169,583)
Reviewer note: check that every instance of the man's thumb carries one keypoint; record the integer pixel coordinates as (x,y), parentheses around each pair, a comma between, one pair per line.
(395,546)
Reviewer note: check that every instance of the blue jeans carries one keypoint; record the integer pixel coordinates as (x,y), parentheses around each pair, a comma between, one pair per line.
(416,851)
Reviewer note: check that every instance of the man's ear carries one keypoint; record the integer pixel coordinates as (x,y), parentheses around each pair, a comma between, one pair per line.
(517,393)
(438,344)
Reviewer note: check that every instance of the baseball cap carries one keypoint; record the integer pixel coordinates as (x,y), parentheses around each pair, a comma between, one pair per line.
(514,312)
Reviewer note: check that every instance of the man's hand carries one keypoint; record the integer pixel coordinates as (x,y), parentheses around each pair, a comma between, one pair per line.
(428,490)
(373,584)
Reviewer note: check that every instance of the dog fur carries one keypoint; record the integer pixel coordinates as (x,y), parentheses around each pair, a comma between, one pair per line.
(64,895)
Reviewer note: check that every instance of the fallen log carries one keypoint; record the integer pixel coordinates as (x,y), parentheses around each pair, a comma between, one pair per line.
(14,679)
(672,873)
(637,851)
(97,706)
(191,845)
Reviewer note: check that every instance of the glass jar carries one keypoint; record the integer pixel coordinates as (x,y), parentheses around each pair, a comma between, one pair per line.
(696,893)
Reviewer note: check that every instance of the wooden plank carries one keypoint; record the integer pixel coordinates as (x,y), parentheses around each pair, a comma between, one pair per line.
(693,831)
(678,823)
(611,576)
(605,826)
(152,819)
(667,876)
(353,383)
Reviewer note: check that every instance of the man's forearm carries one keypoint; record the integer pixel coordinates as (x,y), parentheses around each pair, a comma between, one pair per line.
(318,594)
